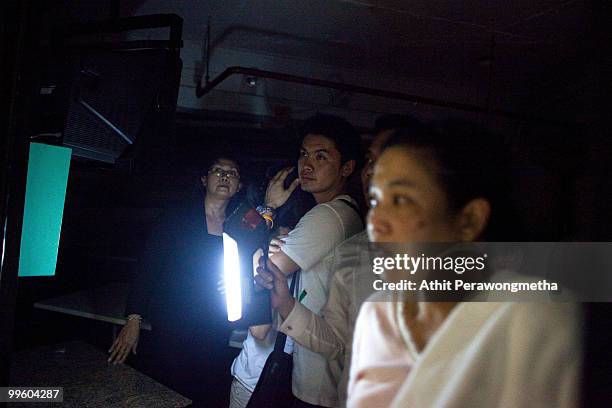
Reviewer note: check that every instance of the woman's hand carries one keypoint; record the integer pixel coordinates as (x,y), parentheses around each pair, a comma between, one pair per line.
(276,194)
(126,341)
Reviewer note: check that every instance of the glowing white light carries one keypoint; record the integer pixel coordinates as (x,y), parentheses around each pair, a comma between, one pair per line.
(231,275)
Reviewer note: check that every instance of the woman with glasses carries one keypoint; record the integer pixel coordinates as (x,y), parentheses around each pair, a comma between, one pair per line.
(175,290)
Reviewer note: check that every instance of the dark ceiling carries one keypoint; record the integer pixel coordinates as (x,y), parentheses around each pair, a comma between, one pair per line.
(502,53)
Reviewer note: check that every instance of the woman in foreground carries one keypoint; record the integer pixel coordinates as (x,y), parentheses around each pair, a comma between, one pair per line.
(443,187)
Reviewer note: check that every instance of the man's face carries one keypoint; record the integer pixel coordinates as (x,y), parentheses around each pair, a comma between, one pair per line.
(222,180)
(320,166)
(372,155)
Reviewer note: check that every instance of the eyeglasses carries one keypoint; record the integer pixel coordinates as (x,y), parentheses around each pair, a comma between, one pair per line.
(231,174)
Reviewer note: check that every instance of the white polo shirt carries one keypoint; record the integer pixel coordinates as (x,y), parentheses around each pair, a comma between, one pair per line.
(310,246)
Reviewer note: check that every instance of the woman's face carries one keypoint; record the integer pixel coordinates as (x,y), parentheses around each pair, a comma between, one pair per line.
(222,179)
(407,203)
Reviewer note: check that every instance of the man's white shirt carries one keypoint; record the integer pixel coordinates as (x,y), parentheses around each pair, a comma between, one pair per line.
(310,245)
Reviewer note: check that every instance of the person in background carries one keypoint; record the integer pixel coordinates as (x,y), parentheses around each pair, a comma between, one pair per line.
(444,186)
(328,155)
(248,365)
(331,333)
(175,289)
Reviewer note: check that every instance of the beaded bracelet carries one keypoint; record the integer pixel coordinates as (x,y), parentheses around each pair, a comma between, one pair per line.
(269,220)
(267,213)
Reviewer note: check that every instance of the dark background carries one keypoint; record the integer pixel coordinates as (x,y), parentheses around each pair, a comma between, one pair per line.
(559,144)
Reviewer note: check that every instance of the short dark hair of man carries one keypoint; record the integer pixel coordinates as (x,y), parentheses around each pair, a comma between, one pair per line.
(339,131)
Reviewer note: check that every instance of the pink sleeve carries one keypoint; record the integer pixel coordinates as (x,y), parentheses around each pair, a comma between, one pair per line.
(380,361)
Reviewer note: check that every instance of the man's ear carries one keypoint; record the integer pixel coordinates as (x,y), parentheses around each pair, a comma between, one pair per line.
(348,168)
(203,180)
(239,187)
(473,219)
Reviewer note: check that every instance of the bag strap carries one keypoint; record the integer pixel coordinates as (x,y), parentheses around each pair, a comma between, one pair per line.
(350,204)
(281,338)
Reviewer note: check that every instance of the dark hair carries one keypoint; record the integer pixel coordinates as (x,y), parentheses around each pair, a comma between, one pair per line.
(468,163)
(396,121)
(208,165)
(339,131)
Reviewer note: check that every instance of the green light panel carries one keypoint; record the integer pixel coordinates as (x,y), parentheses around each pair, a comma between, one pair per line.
(43,210)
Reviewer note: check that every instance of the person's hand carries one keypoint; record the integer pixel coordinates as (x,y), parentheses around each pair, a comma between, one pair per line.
(221,283)
(124,343)
(277,242)
(276,194)
(270,277)
(221,286)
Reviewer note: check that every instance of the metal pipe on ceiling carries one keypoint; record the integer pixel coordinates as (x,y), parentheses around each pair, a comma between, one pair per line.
(237,70)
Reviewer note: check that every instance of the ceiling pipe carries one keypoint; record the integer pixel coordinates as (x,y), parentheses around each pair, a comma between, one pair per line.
(236,70)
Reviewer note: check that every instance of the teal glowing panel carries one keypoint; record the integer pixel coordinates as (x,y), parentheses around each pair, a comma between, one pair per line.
(43,209)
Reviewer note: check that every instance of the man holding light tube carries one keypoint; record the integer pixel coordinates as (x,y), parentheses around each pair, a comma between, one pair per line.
(328,154)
